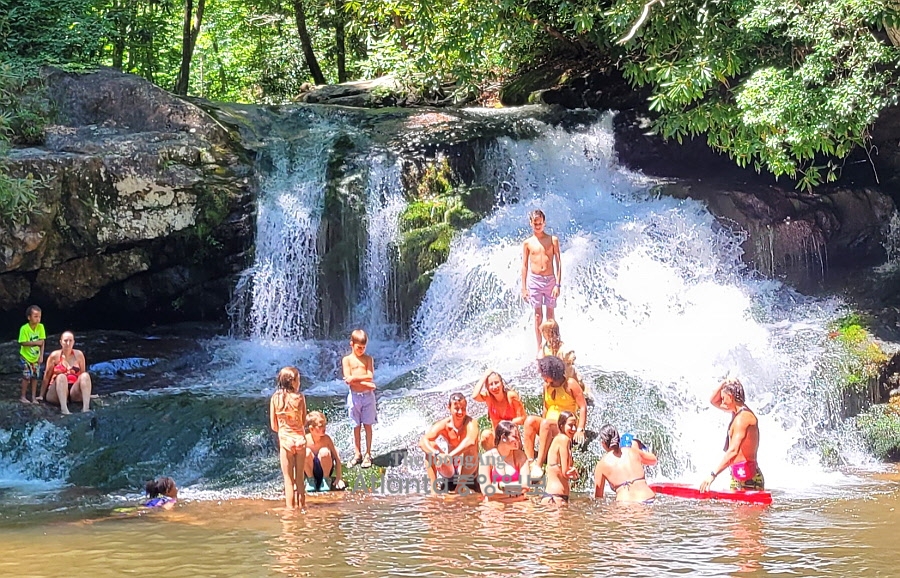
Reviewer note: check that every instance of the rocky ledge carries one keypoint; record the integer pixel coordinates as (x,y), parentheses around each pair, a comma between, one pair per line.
(145,211)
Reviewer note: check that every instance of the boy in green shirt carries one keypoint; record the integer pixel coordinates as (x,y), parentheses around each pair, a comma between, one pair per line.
(31,352)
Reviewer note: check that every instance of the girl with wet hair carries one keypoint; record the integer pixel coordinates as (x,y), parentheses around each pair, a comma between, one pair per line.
(503,470)
(163,493)
(623,468)
(287,416)
(502,404)
(560,463)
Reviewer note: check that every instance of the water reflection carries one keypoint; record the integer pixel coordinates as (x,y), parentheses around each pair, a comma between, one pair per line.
(747,535)
(366,535)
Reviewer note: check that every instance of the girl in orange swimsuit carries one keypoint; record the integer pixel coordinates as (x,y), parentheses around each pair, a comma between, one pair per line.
(502,404)
(287,416)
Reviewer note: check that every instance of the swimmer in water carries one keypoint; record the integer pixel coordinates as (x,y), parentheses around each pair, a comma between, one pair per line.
(623,467)
(163,493)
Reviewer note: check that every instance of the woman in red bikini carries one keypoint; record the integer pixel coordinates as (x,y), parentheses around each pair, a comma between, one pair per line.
(502,404)
(65,377)
(503,470)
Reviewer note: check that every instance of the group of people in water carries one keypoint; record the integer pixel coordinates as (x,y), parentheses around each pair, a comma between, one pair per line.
(521,453)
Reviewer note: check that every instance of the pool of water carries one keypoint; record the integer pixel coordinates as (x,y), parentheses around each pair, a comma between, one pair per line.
(360,534)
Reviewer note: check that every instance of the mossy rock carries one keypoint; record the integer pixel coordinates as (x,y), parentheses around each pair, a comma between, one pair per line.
(880,428)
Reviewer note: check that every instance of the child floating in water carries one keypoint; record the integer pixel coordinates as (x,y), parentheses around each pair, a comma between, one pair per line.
(287,416)
(163,493)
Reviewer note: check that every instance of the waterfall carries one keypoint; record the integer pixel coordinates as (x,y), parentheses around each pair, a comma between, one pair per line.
(655,301)
(276,299)
(385,202)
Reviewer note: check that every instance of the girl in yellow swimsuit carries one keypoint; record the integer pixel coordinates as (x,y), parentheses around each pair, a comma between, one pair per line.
(560,394)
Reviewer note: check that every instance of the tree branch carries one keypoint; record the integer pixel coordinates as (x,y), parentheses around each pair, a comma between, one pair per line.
(640,21)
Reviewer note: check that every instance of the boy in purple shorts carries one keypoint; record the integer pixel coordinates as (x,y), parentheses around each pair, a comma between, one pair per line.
(359,373)
(541,271)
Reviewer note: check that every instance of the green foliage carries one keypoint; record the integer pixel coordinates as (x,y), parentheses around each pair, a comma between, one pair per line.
(24,107)
(778,85)
(865,358)
(880,427)
(787,87)
(24,110)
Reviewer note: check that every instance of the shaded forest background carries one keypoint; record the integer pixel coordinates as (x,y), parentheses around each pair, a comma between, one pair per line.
(786,86)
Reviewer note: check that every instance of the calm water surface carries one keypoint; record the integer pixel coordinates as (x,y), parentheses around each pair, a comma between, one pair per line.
(366,535)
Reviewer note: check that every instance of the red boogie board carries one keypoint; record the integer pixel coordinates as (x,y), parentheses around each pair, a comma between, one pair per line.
(691,492)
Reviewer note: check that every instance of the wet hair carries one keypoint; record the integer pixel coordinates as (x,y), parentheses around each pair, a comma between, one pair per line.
(287,377)
(359,336)
(609,436)
(551,328)
(734,388)
(552,367)
(63,334)
(456,397)
(533,215)
(31,309)
(502,381)
(563,418)
(316,419)
(502,431)
(161,486)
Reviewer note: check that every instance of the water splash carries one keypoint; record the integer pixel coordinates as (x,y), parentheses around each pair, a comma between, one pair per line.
(653,289)
(34,457)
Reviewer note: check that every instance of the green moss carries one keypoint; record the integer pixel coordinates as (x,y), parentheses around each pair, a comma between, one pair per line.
(865,358)
(880,428)
(437,180)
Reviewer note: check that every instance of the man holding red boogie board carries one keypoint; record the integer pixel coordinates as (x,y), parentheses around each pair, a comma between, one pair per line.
(742,442)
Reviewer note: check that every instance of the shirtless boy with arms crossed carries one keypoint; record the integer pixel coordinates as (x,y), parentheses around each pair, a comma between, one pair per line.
(742,442)
(541,271)
(359,374)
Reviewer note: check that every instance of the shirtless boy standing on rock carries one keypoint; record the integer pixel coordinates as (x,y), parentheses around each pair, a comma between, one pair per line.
(541,271)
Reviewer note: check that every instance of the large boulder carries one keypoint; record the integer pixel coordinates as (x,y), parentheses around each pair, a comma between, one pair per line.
(134,182)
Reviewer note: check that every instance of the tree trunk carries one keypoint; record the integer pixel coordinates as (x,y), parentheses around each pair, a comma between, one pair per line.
(189,33)
(306,43)
(340,40)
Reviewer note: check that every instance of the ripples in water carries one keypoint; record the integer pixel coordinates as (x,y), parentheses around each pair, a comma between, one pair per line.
(365,535)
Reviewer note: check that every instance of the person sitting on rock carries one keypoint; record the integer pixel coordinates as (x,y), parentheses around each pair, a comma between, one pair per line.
(455,469)
(502,404)
(560,394)
(66,377)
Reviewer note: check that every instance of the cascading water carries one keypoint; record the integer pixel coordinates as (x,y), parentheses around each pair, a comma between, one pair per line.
(655,302)
(278,294)
(385,203)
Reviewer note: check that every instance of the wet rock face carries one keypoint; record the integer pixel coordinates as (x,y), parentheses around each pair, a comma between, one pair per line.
(135,183)
(790,232)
